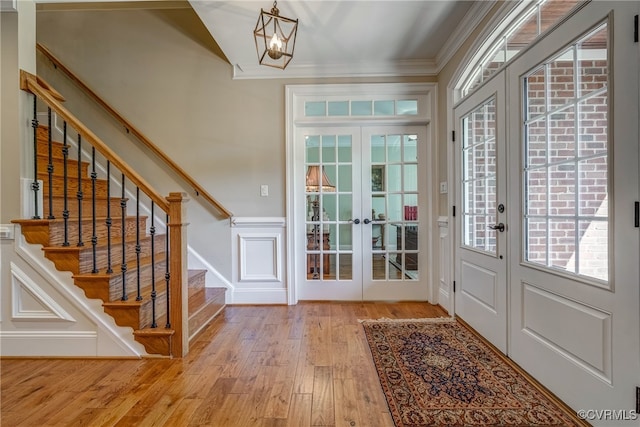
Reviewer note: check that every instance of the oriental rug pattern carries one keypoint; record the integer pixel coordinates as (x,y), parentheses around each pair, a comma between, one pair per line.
(435,372)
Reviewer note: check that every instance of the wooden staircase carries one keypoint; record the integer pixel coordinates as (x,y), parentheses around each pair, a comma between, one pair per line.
(106,281)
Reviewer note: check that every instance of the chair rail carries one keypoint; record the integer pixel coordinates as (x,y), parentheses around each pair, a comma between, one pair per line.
(199,190)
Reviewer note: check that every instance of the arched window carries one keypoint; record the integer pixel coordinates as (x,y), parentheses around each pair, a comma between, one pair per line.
(521,26)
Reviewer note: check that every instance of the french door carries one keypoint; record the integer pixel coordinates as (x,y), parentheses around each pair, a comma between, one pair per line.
(364,213)
(573,142)
(481,230)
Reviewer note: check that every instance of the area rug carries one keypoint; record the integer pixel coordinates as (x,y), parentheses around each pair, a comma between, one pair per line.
(436,372)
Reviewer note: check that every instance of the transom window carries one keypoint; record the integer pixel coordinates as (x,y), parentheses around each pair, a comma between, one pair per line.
(361,108)
(524,24)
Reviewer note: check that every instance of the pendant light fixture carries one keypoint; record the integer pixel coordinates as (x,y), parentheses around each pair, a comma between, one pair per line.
(275,38)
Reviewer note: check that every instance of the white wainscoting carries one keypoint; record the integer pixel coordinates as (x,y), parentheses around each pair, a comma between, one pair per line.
(444,266)
(258,253)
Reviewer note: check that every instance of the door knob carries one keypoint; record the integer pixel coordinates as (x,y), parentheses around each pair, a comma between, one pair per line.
(500,227)
(366,221)
(356,221)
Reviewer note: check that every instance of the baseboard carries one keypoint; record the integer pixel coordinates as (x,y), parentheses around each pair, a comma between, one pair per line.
(257,296)
(57,343)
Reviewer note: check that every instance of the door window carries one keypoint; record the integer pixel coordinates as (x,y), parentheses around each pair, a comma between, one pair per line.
(566,215)
(329,207)
(479,177)
(394,206)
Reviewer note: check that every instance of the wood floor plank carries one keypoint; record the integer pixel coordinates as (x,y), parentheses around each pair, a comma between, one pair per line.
(300,410)
(322,406)
(259,366)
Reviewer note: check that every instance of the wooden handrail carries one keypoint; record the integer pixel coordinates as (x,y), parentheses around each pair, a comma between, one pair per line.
(199,190)
(32,84)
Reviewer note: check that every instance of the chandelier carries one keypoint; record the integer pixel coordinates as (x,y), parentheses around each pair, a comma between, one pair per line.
(275,38)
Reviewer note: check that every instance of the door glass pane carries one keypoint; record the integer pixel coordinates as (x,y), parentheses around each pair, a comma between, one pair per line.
(479,177)
(566,164)
(329,206)
(394,203)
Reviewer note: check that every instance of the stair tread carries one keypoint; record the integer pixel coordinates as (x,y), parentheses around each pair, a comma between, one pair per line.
(154,331)
(45,221)
(88,246)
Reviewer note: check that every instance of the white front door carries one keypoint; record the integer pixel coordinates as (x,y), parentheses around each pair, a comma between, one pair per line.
(574,252)
(480,223)
(365,213)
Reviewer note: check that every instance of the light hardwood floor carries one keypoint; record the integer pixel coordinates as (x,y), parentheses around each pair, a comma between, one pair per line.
(263,366)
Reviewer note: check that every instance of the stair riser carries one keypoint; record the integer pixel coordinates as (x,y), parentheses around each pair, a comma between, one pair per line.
(87,207)
(208,312)
(58,167)
(72,186)
(81,261)
(139,316)
(56,149)
(110,288)
(53,234)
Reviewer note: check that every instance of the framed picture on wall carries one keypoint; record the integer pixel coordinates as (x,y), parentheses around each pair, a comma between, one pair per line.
(377,178)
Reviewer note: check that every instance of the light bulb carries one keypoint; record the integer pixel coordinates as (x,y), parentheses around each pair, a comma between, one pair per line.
(275,47)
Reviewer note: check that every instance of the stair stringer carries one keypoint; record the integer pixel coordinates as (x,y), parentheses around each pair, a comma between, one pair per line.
(112,340)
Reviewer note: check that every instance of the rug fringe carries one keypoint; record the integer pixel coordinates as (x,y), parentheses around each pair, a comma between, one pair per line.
(423,320)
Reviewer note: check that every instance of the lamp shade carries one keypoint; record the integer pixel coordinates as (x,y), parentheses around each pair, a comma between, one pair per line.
(316,180)
(275,38)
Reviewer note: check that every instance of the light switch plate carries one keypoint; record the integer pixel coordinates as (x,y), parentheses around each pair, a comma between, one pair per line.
(443,188)
(7,231)
(264,190)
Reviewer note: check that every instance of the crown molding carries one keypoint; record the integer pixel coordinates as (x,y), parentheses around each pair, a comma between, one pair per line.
(471,20)
(405,68)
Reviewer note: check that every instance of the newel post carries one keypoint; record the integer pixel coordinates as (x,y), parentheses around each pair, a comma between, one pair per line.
(178,282)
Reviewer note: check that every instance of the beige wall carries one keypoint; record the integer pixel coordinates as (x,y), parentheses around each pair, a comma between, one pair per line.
(162,74)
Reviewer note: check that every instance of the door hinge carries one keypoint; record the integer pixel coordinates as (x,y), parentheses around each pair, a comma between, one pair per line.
(636,216)
(635,29)
(454,211)
(454,286)
(453,132)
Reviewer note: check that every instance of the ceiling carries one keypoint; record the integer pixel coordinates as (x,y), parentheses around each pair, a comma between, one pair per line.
(347,38)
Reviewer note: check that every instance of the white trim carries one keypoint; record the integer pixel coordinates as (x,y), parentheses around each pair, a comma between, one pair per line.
(259,296)
(57,343)
(463,30)
(8,5)
(258,222)
(427,117)
(406,68)
(49,308)
(122,340)
(245,242)
(258,275)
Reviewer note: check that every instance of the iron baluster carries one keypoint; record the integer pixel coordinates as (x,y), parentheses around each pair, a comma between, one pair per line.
(108,222)
(123,265)
(167,274)
(94,236)
(152,232)
(79,194)
(65,209)
(35,185)
(138,249)
(50,164)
